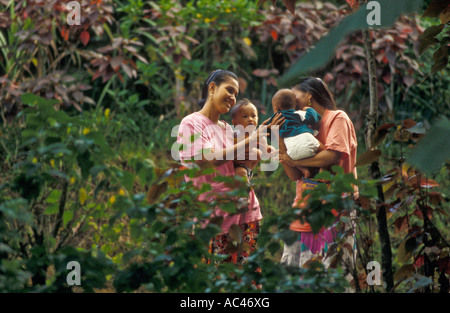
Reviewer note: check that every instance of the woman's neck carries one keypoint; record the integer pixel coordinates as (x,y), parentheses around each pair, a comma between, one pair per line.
(210,113)
(319,109)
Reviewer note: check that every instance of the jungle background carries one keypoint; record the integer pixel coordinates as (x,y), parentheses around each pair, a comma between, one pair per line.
(87,117)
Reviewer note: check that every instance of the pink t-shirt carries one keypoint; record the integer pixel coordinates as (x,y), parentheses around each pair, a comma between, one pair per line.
(337,133)
(197,133)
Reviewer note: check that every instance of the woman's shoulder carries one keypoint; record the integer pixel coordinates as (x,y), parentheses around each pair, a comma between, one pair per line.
(336,114)
(191,117)
(195,118)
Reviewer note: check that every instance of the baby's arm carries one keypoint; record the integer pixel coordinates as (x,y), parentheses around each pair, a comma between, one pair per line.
(266,150)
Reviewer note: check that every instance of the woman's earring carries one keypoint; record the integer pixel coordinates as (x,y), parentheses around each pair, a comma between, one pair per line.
(309,103)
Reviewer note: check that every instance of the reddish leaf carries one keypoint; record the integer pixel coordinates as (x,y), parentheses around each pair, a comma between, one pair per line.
(381,133)
(419,262)
(65,33)
(368,157)
(264,73)
(435,198)
(408,123)
(387,78)
(84,37)
(274,34)
(419,214)
(290,5)
(116,62)
(353,3)
(155,192)
(363,202)
(444,265)
(435,8)
(404,272)
(428,183)
(242,85)
(401,224)
(328,78)
(445,15)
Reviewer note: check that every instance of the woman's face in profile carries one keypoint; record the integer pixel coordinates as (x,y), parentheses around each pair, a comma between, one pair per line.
(302,99)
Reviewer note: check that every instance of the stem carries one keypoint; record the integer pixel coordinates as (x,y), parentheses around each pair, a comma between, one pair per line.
(374,169)
(62,204)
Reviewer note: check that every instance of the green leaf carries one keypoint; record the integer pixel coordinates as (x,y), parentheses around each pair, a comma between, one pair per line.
(67,217)
(433,150)
(325,47)
(32,99)
(54,196)
(51,209)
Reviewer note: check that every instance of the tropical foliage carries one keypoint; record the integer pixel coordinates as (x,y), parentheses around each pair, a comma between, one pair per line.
(87,129)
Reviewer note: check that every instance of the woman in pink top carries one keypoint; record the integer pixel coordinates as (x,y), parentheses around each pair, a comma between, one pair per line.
(209,141)
(337,133)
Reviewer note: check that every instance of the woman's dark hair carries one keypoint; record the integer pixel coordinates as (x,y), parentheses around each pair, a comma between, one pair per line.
(217,77)
(318,90)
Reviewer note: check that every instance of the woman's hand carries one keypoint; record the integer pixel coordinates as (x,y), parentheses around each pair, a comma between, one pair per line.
(285,158)
(275,124)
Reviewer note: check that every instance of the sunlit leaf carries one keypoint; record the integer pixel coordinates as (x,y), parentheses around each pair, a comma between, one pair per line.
(156,191)
(235,233)
(404,272)
(82,196)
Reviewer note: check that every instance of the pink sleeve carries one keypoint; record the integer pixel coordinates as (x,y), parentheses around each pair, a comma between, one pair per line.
(192,138)
(338,138)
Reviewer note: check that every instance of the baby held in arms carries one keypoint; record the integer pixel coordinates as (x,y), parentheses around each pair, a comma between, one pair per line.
(244,117)
(297,132)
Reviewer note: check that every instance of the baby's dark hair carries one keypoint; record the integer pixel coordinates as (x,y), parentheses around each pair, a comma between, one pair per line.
(217,77)
(238,105)
(285,99)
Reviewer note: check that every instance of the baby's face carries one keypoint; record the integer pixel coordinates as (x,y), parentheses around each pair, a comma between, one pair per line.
(246,115)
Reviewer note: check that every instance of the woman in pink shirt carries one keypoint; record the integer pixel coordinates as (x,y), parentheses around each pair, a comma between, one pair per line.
(209,141)
(337,133)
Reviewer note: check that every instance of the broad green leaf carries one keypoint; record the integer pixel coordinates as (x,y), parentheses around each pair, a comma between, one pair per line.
(325,47)
(433,150)
(32,99)
(51,209)
(54,196)
(67,217)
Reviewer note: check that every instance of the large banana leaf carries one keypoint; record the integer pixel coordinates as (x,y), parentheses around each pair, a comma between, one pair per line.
(433,150)
(318,56)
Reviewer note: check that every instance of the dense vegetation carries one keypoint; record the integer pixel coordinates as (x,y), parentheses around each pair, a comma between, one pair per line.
(87,129)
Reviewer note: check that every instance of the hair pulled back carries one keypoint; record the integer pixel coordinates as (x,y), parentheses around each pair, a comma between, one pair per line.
(318,90)
(217,77)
